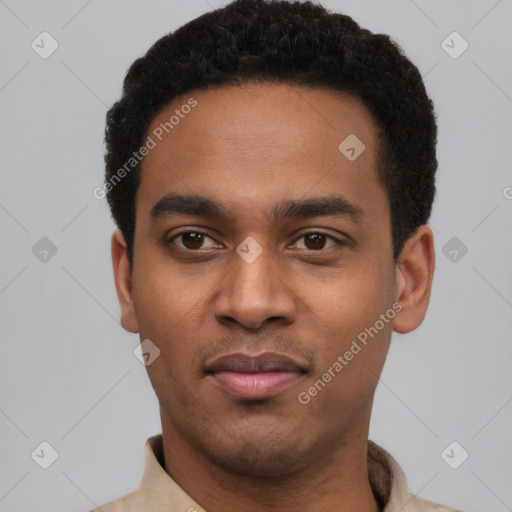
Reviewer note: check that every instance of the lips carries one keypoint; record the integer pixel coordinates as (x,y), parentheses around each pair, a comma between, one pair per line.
(255,377)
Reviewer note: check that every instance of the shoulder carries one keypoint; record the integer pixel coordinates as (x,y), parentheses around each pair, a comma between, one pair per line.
(417,504)
(390,483)
(128,503)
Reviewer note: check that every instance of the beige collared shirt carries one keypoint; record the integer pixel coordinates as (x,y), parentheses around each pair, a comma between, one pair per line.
(158,492)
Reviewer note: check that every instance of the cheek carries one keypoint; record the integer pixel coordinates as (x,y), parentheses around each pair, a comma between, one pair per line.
(170,308)
(165,297)
(356,298)
(352,328)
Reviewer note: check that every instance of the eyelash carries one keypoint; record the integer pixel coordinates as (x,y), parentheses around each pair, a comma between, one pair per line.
(339,243)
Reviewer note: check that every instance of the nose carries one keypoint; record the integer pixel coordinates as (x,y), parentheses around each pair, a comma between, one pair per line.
(255,293)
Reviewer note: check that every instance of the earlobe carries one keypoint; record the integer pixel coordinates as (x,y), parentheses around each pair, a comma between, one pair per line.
(414,276)
(123,282)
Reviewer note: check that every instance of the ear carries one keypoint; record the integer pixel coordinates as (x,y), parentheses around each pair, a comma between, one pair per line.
(123,280)
(414,275)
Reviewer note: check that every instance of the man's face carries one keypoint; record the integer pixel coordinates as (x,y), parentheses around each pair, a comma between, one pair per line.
(318,282)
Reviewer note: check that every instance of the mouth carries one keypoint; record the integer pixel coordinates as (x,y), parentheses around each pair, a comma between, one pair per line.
(255,377)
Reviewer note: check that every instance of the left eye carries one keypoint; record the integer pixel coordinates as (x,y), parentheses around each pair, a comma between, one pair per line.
(317,241)
(192,240)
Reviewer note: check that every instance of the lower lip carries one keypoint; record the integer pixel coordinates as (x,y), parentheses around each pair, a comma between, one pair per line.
(255,385)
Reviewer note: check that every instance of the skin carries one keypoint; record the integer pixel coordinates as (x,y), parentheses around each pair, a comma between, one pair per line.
(249,147)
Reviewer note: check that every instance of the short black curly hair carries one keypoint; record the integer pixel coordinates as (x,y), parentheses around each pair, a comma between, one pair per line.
(298,43)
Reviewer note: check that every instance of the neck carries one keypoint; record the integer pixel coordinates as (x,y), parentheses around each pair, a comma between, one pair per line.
(335,480)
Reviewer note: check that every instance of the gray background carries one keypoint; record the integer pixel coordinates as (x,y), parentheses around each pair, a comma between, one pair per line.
(68,374)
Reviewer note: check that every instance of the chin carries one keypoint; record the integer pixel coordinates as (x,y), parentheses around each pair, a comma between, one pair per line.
(255,459)
(258,450)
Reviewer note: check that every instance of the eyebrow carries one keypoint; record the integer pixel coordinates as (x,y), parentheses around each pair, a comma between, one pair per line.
(201,206)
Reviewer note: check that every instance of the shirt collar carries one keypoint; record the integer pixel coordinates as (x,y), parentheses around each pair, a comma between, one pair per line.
(157,489)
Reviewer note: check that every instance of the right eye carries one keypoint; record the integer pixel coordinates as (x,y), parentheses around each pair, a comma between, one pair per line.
(191,240)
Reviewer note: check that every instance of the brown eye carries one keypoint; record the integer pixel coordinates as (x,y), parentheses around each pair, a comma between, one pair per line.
(190,240)
(315,240)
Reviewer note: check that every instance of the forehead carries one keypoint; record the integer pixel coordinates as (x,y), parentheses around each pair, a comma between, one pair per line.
(246,144)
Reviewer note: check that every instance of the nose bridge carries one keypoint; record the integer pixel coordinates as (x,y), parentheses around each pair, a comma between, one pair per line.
(253,290)
(253,271)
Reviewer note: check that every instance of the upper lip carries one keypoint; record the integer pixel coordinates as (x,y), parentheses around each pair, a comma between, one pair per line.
(245,363)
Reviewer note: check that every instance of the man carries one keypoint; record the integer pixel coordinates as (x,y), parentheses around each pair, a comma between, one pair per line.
(270,167)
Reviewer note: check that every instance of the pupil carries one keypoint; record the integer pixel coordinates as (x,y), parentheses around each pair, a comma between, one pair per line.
(194,238)
(317,239)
